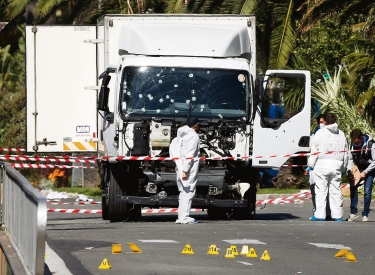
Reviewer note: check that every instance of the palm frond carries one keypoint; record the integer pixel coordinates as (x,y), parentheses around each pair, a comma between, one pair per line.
(331,97)
(15,8)
(320,10)
(45,6)
(175,6)
(249,6)
(283,36)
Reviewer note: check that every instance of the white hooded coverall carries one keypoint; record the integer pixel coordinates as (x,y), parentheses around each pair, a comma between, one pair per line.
(185,145)
(328,169)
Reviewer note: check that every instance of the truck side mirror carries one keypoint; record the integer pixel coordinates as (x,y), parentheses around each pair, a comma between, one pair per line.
(104,93)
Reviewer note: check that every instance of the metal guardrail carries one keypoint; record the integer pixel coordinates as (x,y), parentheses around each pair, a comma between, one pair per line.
(24,215)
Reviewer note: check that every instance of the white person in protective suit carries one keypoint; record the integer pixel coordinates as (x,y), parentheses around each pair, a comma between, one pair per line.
(185,147)
(328,165)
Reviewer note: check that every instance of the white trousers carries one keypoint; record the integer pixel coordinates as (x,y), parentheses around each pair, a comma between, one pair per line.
(328,176)
(184,203)
(186,195)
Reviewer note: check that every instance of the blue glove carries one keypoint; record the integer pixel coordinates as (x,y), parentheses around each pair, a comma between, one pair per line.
(309,168)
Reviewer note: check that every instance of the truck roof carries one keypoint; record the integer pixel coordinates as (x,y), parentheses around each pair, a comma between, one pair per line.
(225,36)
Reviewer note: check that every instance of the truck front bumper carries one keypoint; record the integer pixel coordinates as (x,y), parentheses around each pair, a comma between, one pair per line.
(208,202)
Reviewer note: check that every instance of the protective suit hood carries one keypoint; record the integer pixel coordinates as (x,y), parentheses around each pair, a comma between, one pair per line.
(333,128)
(183,131)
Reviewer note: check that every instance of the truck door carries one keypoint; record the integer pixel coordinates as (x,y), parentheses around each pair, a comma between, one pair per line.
(282,119)
(60,75)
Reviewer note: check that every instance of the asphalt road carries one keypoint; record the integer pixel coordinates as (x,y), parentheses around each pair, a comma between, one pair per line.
(79,243)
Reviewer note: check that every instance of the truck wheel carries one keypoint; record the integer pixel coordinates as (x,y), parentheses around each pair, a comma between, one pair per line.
(117,210)
(218,213)
(246,213)
(105,211)
(104,186)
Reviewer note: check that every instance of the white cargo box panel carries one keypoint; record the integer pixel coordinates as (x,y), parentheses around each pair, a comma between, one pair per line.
(60,69)
(160,34)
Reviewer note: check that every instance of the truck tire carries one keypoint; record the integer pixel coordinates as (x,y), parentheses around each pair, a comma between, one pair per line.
(246,213)
(105,211)
(104,181)
(117,210)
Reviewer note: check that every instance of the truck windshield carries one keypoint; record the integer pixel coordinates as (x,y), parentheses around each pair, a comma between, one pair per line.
(176,92)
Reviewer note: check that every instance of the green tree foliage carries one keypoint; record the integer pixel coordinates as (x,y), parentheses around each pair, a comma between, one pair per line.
(323,46)
(12,94)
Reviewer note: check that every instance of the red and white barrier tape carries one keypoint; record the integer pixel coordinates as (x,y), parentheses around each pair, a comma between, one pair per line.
(13,149)
(288,199)
(26,165)
(148,158)
(70,203)
(166,210)
(48,159)
(93,211)
(93,159)
(75,211)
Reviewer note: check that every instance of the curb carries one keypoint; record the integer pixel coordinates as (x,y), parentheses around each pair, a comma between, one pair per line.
(14,264)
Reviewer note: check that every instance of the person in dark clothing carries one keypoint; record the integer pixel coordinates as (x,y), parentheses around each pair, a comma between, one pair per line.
(363,155)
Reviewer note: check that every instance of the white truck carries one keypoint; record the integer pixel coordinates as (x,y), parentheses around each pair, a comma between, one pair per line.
(150,73)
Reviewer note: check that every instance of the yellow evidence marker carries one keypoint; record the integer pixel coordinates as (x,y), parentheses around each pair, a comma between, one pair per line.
(105,264)
(213,250)
(266,256)
(116,248)
(134,248)
(234,249)
(245,250)
(350,257)
(187,250)
(229,253)
(252,253)
(341,253)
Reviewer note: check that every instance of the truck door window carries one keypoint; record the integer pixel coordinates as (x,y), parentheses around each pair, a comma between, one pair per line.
(283,98)
(168,91)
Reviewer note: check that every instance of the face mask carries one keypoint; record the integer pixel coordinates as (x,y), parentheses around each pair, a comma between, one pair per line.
(357,145)
(322,125)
